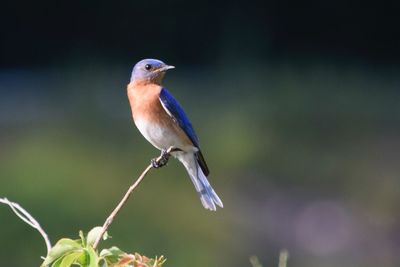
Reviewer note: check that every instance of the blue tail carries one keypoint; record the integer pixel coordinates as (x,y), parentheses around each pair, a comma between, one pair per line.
(208,197)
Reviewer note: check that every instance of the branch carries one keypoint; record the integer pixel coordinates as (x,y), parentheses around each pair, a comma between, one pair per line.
(158,162)
(27,218)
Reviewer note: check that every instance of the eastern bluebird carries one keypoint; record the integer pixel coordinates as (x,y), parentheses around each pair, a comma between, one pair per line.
(162,121)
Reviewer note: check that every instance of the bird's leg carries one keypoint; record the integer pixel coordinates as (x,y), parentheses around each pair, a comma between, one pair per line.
(162,160)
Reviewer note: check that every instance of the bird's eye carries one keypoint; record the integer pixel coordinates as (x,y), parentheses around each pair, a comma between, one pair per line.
(148,67)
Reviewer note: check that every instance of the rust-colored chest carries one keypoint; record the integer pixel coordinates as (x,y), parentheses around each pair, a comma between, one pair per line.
(145,102)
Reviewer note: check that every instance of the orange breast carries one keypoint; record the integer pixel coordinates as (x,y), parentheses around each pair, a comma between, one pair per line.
(144,101)
(145,105)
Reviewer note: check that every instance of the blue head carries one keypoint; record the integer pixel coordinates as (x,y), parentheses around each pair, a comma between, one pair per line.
(150,70)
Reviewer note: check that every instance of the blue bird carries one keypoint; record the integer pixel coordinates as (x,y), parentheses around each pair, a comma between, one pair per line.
(163,122)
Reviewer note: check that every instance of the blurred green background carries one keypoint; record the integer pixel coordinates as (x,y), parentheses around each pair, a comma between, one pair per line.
(296,106)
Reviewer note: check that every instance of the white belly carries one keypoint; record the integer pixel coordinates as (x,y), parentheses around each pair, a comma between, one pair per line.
(160,137)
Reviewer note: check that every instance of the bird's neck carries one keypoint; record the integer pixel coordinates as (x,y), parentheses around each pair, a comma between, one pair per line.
(149,81)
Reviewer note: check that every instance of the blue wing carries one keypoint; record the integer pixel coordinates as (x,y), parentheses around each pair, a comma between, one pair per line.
(176,111)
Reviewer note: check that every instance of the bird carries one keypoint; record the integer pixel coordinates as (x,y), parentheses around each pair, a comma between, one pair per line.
(162,121)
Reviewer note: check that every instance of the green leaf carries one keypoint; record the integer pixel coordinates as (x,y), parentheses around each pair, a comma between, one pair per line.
(111,251)
(103,263)
(81,235)
(57,262)
(88,258)
(62,247)
(83,259)
(69,259)
(112,255)
(94,233)
(93,259)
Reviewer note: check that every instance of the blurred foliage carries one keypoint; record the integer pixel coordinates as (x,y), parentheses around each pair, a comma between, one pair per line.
(255,262)
(283,258)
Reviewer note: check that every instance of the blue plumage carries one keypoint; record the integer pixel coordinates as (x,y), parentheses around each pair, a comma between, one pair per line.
(172,105)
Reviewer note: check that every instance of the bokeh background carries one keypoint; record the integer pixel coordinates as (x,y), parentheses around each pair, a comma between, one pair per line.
(296,105)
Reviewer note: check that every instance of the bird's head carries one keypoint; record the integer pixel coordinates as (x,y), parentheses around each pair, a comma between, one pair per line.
(149,70)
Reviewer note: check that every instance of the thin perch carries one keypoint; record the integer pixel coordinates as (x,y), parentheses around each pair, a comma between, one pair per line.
(161,161)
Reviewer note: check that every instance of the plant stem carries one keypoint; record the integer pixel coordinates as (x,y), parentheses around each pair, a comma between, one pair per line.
(114,213)
(28,219)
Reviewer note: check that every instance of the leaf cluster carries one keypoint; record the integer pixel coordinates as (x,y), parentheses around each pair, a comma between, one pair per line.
(79,252)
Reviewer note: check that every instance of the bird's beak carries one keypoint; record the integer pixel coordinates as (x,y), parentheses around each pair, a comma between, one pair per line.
(165,68)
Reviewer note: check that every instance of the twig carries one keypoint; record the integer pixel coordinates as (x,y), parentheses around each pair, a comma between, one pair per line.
(28,219)
(161,159)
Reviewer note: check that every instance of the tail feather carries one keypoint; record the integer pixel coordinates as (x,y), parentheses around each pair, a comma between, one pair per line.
(202,163)
(210,191)
(208,197)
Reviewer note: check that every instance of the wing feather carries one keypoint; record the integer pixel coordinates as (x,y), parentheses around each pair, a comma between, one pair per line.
(174,109)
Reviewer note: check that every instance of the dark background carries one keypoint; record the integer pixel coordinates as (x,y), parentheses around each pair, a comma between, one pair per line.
(47,32)
(296,105)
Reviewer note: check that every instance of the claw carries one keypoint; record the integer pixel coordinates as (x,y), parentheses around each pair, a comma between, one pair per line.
(164,152)
(162,161)
(154,163)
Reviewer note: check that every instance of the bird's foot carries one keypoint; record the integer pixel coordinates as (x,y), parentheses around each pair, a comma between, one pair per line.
(162,160)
